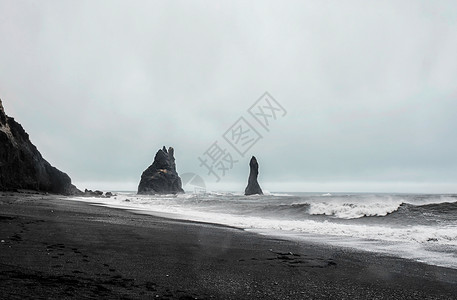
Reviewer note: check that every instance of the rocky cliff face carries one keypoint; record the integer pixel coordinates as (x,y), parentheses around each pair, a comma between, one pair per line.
(253,186)
(161,177)
(23,167)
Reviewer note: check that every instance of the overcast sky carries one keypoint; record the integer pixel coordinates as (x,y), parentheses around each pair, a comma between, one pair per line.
(369,89)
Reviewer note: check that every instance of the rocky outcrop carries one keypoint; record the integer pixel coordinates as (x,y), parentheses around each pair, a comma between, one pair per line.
(92,193)
(161,177)
(97,194)
(253,186)
(23,167)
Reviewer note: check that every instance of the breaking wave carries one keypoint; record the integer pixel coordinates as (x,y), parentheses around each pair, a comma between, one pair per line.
(353,210)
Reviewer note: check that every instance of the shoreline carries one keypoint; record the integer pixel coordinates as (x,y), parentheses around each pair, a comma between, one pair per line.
(431,253)
(70,249)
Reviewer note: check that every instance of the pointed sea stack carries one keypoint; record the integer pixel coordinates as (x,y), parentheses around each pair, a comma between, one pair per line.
(253,186)
(161,177)
(23,167)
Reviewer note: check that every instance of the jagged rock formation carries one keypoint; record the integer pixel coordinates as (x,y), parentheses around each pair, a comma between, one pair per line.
(23,167)
(253,186)
(161,177)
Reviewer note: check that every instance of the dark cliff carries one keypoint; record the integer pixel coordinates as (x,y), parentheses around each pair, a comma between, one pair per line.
(23,167)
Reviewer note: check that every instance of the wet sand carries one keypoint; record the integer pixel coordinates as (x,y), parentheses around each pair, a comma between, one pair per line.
(52,248)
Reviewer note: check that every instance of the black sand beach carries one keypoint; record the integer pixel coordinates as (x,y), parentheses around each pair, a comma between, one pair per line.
(58,249)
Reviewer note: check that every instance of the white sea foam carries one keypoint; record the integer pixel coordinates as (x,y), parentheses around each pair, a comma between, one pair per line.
(268,193)
(353,210)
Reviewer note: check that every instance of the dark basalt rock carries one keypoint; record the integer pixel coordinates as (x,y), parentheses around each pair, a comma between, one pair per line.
(161,177)
(92,193)
(23,167)
(97,193)
(253,186)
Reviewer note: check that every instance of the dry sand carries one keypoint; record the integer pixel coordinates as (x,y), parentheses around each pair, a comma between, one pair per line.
(53,248)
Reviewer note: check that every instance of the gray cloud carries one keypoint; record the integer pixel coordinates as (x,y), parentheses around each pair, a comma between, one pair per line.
(369,87)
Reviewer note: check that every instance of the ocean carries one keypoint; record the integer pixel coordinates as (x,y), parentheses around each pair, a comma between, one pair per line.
(411,226)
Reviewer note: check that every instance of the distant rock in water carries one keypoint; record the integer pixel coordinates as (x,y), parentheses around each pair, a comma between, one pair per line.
(23,167)
(161,177)
(253,186)
(97,193)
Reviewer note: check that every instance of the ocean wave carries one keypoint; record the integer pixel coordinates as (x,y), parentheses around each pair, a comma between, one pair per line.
(353,210)
(442,207)
(445,235)
(382,207)
(419,200)
(339,207)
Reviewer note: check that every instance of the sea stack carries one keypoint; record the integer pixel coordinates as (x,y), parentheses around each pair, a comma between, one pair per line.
(161,177)
(253,186)
(21,165)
